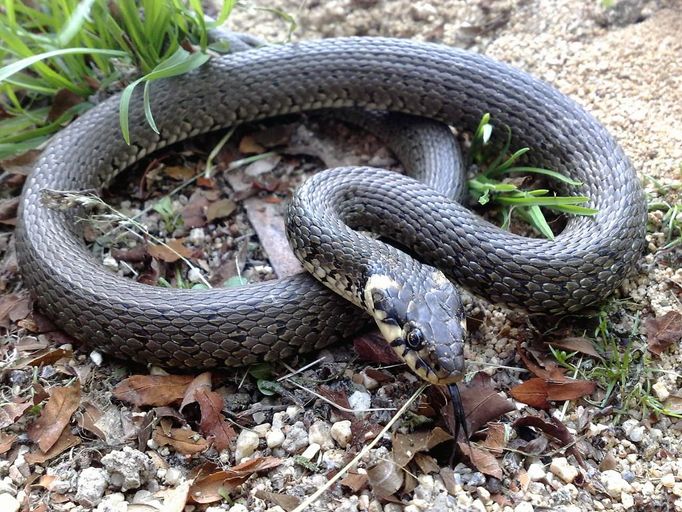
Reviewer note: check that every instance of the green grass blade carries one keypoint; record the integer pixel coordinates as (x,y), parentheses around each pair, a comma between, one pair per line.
(538,221)
(148,108)
(225,11)
(542,201)
(15,67)
(547,172)
(75,23)
(574,209)
(124,107)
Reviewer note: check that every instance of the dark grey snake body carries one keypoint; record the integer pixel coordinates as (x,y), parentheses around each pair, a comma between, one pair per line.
(586,262)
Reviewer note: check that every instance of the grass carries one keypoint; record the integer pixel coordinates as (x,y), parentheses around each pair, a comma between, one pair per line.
(73,49)
(671,221)
(490,185)
(624,370)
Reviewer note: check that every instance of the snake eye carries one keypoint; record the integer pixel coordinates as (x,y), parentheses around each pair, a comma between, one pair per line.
(415,338)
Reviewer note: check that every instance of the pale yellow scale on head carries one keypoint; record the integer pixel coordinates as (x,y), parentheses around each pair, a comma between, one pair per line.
(382,282)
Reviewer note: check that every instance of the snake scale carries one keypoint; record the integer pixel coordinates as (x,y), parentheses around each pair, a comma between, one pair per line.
(274,320)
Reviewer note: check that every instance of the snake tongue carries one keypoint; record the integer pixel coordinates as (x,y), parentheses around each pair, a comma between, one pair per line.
(459,414)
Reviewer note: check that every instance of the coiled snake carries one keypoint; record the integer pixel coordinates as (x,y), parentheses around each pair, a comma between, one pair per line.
(273,320)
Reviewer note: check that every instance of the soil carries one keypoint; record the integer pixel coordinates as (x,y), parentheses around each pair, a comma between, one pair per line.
(117,449)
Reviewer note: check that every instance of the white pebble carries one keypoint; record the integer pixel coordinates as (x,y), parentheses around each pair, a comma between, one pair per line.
(292,411)
(360,401)
(278,420)
(320,433)
(633,430)
(524,506)
(341,433)
(247,442)
(668,480)
(274,438)
(8,503)
(261,429)
(194,275)
(614,483)
(536,472)
(311,451)
(661,391)
(561,468)
(677,489)
(96,357)
(172,476)
(238,507)
(110,262)
(197,236)
(92,482)
(627,500)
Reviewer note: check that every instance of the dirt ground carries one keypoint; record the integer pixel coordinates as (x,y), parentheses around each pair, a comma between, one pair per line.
(79,433)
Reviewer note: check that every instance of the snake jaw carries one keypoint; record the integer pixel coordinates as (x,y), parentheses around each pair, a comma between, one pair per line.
(423,321)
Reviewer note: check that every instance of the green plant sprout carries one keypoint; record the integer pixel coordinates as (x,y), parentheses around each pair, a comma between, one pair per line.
(488,185)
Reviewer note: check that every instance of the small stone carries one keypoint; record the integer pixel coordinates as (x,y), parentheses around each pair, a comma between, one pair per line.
(238,507)
(561,468)
(274,438)
(96,357)
(536,472)
(292,411)
(320,433)
(172,476)
(478,506)
(668,480)
(262,429)
(341,433)
(661,391)
(197,236)
(614,483)
(524,506)
(110,262)
(128,468)
(483,493)
(296,438)
(115,502)
(8,503)
(360,401)
(194,275)
(311,451)
(633,430)
(92,482)
(247,443)
(627,500)
(677,489)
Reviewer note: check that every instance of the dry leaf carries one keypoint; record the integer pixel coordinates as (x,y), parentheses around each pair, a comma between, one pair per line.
(267,220)
(89,418)
(62,101)
(201,381)
(537,392)
(8,208)
(385,478)
(65,441)
(673,403)
(576,344)
(248,145)
(179,172)
(176,499)
(21,164)
(354,481)
(55,416)
(426,463)
(170,252)
(372,347)
(481,402)
(663,331)
(532,392)
(14,307)
(555,429)
(213,423)
(43,357)
(406,446)
(9,413)
(184,440)
(288,502)
(6,442)
(152,389)
(495,439)
(211,487)
(482,460)
(194,212)
(220,209)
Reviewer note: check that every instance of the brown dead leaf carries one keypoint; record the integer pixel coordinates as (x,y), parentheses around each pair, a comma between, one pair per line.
(65,441)
(338,397)
(555,429)
(88,419)
(372,347)
(43,357)
(14,307)
(55,416)
(211,487)
(12,411)
(538,392)
(663,331)
(170,252)
(194,212)
(354,481)
(22,164)
(406,446)
(179,172)
(6,442)
(267,220)
(426,463)
(220,209)
(8,208)
(288,502)
(262,166)
(385,478)
(152,389)
(482,460)
(249,146)
(576,344)
(61,102)
(481,402)
(495,439)
(212,423)
(183,440)
(674,403)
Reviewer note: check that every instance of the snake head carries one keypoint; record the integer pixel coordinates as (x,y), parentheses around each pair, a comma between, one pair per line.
(423,320)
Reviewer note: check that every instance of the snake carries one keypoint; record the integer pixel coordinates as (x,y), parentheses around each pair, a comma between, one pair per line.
(407,278)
